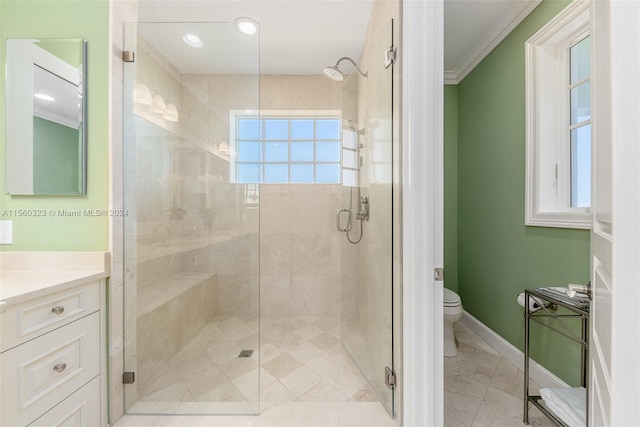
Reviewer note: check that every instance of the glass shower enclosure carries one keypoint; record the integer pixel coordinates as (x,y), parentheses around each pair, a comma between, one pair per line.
(367,328)
(192,236)
(192,233)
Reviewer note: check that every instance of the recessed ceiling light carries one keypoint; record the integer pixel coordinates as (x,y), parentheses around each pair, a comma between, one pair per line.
(192,40)
(44,97)
(246,25)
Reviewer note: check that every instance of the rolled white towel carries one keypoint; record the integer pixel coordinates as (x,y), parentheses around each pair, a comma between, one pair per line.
(569,404)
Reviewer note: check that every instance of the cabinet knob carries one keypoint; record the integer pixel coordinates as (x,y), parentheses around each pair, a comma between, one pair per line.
(60,367)
(58,309)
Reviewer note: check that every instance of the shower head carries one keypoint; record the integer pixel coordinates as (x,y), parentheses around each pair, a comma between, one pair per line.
(334,73)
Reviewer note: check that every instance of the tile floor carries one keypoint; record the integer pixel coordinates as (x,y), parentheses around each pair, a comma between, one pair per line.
(301,360)
(482,388)
(308,380)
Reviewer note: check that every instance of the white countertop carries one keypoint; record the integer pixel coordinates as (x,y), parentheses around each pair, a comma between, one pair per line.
(28,275)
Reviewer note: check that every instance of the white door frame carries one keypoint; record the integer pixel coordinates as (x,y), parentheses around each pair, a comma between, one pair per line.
(422,58)
(422,102)
(625,133)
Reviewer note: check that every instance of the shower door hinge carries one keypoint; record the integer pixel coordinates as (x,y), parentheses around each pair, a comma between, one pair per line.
(128,56)
(128,378)
(438,274)
(390,56)
(389,378)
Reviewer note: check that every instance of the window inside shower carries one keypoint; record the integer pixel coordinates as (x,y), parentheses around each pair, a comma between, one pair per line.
(286,148)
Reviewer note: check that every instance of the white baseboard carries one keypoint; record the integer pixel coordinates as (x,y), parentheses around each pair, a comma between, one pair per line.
(537,372)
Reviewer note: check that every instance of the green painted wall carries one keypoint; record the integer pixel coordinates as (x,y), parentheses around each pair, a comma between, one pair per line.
(88,19)
(56,150)
(67,50)
(498,256)
(451,187)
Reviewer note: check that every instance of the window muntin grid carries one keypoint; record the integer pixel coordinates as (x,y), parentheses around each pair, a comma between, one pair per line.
(579,92)
(288,149)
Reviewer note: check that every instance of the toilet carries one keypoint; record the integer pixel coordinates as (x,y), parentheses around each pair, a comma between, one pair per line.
(452,313)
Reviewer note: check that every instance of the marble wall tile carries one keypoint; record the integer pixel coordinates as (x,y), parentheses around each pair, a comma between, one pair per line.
(195,92)
(233,92)
(275,294)
(196,122)
(313,92)
(174,323)
(277,90)
(311,254)
(276,254)
(275,212)
(312,213)
(298,237)
(315,295)
(233,293)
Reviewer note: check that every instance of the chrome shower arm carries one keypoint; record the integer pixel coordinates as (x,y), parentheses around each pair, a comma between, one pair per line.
(346,58)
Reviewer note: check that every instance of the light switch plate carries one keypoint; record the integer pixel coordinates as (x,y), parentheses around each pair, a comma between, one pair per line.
(6,232)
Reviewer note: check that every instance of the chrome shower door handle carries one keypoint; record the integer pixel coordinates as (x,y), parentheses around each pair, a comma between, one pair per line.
(339,217)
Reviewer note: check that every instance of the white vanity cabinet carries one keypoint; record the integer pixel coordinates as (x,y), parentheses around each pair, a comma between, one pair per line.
(52,350)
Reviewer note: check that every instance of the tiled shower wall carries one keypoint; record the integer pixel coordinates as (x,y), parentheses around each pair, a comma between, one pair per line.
(299,250)
(299,243)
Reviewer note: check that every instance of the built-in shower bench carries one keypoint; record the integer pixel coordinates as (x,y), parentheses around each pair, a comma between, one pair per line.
(171,312)
(158,294)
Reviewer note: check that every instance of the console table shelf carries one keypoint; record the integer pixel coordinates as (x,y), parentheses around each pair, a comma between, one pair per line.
(577,308)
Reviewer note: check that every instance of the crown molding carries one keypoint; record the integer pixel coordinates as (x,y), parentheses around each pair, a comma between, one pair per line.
(510,21)
(450,78)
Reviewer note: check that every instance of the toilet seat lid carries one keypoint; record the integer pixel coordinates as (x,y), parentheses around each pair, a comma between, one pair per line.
(451,299)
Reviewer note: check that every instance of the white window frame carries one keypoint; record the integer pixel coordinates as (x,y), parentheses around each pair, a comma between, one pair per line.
(266,114)
(548,155)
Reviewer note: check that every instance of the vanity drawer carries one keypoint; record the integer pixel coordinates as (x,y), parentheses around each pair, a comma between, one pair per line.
(42,372)
(81,409)
(28,320)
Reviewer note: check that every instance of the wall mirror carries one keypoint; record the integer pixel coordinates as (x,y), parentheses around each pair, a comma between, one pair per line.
(46,105)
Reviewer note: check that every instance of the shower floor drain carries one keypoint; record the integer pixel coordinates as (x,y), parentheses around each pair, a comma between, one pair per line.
(245,353)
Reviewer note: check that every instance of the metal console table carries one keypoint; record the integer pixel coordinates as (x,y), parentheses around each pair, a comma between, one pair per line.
(578,308)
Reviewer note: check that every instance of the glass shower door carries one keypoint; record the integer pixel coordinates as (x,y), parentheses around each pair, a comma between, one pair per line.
(367,251)
(191,237)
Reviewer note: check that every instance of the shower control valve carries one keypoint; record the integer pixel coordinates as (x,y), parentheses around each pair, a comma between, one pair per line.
(363,214)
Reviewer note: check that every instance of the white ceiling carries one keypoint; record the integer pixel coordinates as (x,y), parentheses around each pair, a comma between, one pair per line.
(472,28)
(303,36)
(296,36)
